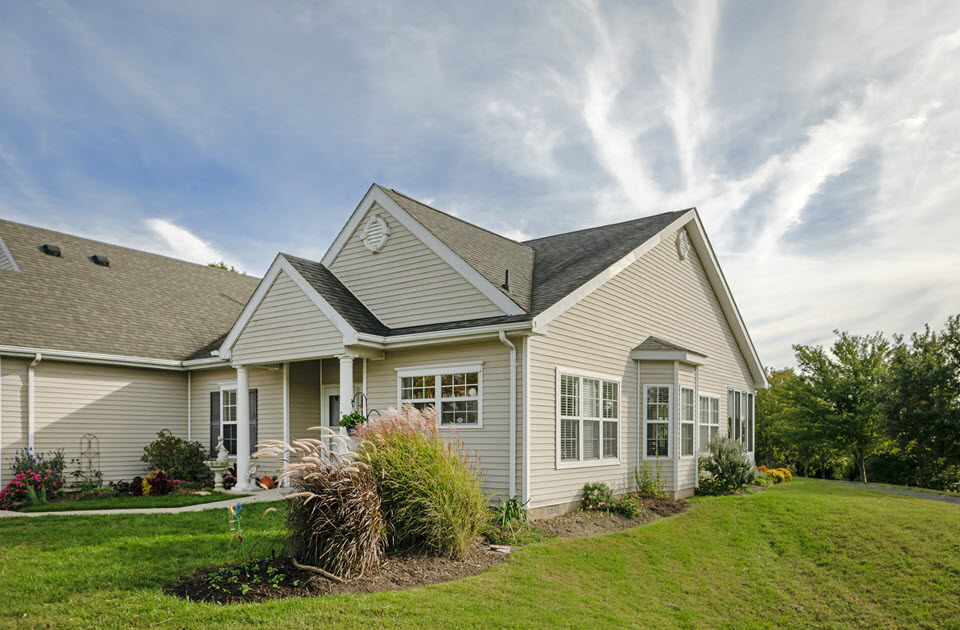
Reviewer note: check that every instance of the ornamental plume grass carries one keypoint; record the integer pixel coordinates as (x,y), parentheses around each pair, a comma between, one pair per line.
(432,492)
(334,516)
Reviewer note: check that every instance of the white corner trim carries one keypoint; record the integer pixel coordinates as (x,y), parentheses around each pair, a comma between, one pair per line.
(525,464)
(597,281)
(676,445)
(8,255)
(376,195)
(281,264)
(1,422)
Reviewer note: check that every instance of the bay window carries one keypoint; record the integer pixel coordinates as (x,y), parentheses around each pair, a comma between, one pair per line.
(656,420)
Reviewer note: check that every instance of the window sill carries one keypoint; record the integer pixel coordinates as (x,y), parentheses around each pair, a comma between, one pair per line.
(593,463)
(460,427)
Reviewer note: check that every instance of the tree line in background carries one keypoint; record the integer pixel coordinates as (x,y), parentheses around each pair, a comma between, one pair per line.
(868,408)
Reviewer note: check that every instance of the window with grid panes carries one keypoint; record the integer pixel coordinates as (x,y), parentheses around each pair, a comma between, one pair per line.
(589,419)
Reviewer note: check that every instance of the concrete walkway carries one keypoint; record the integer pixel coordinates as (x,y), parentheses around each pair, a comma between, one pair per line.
(910,493)
(256,497)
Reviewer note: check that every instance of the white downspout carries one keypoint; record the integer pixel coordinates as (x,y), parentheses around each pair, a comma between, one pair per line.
(189,406)
(696,427)
(512,491)
(676,427)
(31,405)
(525,464)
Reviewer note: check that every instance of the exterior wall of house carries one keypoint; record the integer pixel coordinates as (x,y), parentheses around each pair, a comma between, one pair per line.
(658,295)
(286,326)
(124,407)
(269,386)
(406,283)
(13,412)
(304,399)
(491,441)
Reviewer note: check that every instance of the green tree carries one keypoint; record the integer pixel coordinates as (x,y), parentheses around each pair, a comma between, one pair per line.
(922,399)
(844,388)
(222,265)
(773,405)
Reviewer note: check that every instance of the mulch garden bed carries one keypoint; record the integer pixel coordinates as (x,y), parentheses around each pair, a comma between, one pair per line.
(584,523)
(278,577)
(404,568)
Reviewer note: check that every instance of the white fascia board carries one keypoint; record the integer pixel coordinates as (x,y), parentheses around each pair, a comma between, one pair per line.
(700,240)
(9,256)
(91,357)
(437,336)
(669,355)
(471,275)
(610,272)
(282,264)
(205,364)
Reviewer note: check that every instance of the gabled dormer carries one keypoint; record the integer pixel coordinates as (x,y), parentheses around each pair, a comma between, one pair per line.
(411,264)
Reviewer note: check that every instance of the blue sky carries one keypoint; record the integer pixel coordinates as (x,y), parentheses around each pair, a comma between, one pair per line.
(819,140)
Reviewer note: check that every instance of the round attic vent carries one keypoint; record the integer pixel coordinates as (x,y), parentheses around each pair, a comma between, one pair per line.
(683,245)
(375,233)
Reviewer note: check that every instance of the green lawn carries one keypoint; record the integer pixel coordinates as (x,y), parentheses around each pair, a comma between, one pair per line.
(799,555)
(130,503)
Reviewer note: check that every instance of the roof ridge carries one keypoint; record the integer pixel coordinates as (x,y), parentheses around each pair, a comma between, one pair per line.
(606,225)
(124,247)
(456,218)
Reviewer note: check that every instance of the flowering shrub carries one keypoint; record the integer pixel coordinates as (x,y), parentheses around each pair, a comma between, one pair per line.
(156,484)
(762,469)
(88,494)
(599,497)
(710,486)
(25,460)
(179,486)
(787,475)
(44,483)
(776,474)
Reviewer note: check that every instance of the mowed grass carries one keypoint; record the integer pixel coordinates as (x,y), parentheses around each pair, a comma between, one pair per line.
(805,554)
(129,503)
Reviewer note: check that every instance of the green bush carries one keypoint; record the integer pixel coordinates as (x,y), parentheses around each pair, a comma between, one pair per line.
(649,480)
(712,487)
(177,457)
(597,496)
(726,461)
(763,479)
(432,493)
(629,505)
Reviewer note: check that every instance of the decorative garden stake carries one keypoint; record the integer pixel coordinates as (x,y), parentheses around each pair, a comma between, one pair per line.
(238,533)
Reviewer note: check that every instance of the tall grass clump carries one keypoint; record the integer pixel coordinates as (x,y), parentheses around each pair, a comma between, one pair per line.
(432,492)
(334,515)
(726,461)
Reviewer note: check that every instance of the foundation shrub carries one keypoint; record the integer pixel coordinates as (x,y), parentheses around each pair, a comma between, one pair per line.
(432,492)
(31,487)
(726,461)
(177,457)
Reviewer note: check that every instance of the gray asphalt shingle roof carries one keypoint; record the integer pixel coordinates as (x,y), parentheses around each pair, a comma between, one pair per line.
(142,305)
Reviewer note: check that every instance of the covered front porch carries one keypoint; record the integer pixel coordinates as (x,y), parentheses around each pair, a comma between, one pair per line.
(291,397)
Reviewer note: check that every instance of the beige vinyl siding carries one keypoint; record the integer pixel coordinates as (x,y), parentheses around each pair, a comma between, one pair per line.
(269,386)
(123,407)
(657,295)
(13,412)
(304,399)
(406,283)
(489,442)
(287,325)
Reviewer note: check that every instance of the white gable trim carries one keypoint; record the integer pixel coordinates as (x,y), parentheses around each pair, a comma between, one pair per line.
(692,358)
(5,253)
(282,264)
(471,275)
(699,240)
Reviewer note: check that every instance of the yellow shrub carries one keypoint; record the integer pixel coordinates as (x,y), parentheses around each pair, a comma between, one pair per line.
(776,474)
(787,475)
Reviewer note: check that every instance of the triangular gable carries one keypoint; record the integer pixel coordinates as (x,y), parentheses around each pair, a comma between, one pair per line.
(282,266)
(377,196)
(701,243)
(6,258)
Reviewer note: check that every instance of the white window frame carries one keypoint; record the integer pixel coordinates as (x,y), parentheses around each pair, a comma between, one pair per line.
(709,397)
(693,421)
(671,411)
(437,371)
(581,462)
(224,388)
(747,399)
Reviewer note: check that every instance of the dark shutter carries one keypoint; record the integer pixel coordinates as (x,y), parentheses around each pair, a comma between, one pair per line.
(214,422)
(253,421)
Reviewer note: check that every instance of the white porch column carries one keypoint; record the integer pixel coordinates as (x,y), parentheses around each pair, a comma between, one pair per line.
(346,386)
(286,417)
(243,430)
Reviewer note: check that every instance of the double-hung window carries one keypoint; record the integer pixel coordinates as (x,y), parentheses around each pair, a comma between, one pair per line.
(228,419)
(687,420)
(709,420)
(589,409)
(656,420)
(740,417)
(454,391)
